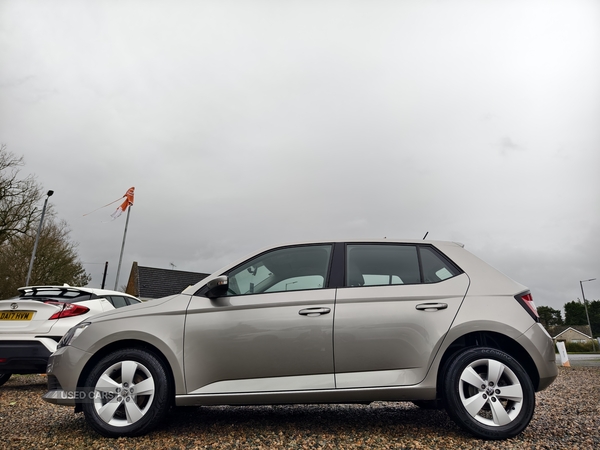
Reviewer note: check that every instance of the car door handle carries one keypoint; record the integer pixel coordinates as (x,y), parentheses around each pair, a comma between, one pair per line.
(313,312)
(431,306)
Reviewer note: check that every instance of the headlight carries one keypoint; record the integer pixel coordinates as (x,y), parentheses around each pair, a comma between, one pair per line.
(72,334)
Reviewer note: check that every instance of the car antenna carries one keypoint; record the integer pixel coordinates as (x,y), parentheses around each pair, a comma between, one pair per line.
(425,235)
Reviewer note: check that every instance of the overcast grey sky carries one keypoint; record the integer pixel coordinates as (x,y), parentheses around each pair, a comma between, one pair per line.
(243,124)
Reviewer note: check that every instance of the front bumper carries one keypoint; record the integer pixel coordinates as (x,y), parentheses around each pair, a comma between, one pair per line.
(62,397)
(64,368)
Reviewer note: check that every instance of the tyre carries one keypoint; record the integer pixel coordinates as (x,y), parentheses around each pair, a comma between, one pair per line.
(127,392)
(488,393)
(4,377)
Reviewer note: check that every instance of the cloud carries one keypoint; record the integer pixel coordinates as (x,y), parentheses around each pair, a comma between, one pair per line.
(245,125)
(507,145)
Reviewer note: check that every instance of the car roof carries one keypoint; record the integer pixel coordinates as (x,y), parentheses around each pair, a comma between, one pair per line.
(84,290)
(362,241)
(368,240)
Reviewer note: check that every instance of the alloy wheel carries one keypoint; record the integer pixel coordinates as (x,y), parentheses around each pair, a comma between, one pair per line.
(123,393)
(490,392)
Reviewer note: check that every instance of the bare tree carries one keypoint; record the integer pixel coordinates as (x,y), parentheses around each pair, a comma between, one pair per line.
(18,197)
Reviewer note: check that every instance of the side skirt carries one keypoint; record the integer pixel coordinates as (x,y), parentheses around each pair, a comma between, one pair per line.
(402,393)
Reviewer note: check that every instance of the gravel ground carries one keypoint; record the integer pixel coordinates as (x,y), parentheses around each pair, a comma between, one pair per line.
(567,416)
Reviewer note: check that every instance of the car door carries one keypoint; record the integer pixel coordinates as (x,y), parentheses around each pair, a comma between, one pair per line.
(271,332)
(398,303)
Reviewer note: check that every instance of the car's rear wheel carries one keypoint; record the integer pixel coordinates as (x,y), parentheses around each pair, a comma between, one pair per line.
(4,377)
(128,393)
(488,393)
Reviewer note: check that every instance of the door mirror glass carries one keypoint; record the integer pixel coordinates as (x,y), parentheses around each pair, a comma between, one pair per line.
(217,287)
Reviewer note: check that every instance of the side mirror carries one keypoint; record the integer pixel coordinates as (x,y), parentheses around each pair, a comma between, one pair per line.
(217,287)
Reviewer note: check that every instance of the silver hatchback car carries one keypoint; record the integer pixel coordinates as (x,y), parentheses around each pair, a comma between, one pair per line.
(326,322)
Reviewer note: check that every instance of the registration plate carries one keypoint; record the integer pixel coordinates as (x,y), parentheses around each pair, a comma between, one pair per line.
(16,315)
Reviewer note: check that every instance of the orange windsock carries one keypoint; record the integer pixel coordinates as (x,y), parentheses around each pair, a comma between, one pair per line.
(123,206)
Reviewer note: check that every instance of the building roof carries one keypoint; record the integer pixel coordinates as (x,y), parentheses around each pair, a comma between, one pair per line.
(556,331)
(152,282)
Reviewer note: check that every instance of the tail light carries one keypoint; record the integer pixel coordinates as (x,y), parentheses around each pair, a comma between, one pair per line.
(526,301)
(67,310)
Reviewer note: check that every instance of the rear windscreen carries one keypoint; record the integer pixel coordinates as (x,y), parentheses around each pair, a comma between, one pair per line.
(57,295)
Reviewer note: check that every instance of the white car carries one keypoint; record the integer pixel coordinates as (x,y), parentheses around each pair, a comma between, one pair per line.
(32,324)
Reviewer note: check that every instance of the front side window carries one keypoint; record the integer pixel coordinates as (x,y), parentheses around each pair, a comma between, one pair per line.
(285,269)
(389,264)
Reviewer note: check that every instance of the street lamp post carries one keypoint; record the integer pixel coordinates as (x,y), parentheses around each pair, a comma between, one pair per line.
(586,310)
(37,238)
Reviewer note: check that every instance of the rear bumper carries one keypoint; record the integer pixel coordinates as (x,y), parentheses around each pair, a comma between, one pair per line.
(540,347)
(24,356)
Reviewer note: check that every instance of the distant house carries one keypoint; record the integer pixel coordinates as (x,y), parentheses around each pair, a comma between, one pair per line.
(572,333)
(148,283)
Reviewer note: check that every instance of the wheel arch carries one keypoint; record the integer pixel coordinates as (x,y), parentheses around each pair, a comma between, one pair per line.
(119,345)
(490,339)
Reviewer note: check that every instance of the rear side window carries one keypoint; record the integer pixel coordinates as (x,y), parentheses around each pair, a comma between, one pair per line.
(376,265)
(117,301)
(389,264)
(436,267)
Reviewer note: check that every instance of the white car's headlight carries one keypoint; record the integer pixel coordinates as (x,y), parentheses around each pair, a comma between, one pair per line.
(72,334)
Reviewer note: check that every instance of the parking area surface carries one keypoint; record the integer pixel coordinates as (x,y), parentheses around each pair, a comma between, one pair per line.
(581,360)
(567,416)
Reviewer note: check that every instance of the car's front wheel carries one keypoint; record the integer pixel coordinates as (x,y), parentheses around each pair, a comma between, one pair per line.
(127,393)
(488,393)
(4,377)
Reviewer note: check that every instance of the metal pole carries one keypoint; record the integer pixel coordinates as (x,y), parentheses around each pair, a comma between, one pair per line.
(104,275)
(586,311)
(37,238)
(122,247)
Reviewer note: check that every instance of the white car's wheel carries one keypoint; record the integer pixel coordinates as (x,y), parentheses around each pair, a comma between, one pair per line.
(489,394)
(127,393)
(4,377)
